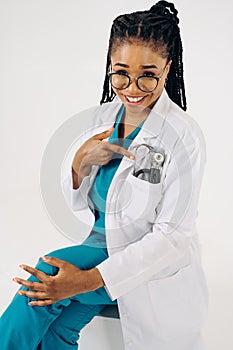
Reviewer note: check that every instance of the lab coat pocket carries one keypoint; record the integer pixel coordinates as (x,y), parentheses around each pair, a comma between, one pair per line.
(178,302)
(138,199)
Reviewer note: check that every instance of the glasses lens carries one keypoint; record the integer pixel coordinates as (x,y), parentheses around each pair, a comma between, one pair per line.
(147,83)
(119,81)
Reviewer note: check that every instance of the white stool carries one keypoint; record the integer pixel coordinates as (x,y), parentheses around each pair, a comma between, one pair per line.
(103,332)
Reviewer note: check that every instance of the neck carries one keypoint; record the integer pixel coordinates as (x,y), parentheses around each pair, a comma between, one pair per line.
(135,116)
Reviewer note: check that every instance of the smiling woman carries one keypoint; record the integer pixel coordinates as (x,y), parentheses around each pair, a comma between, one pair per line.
(141,252)
(139,82)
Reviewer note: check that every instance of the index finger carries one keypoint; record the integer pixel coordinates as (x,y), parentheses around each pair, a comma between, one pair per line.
(120,150)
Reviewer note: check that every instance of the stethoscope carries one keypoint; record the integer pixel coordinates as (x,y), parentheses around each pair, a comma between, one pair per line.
(156,159)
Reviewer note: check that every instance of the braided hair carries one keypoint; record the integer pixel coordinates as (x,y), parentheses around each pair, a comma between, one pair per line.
(158,28)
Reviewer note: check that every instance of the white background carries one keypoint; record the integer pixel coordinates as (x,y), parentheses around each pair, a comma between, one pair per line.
(52,63)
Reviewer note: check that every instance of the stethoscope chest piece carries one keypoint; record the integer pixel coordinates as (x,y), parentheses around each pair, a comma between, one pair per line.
(155,157)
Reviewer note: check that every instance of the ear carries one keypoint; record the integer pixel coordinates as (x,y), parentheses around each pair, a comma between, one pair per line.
(168,66)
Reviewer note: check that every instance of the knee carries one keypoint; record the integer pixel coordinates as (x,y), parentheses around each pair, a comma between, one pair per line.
(44,267)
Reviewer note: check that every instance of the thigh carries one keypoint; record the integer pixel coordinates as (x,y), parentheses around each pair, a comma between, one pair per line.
(84,257)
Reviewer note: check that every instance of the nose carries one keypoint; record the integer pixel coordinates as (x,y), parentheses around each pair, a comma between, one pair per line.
(132,88)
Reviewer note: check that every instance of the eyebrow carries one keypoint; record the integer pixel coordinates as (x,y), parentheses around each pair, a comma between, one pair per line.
(143,67)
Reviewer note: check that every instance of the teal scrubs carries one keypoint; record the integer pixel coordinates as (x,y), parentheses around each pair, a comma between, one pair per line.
(99,190)
(58,326)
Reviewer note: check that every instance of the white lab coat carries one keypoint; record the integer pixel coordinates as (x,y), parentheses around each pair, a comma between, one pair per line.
(154,266)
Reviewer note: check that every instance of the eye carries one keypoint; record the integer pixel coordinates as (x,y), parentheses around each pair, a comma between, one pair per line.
(148,74)
(121,71)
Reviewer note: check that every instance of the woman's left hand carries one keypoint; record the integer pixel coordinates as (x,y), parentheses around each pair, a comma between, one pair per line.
(69,281)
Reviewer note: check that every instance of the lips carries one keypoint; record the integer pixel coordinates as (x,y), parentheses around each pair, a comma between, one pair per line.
(134,100)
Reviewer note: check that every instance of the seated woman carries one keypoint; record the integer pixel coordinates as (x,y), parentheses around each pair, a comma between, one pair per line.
(142,250)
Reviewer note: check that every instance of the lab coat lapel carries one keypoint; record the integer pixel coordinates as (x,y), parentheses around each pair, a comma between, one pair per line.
(149,131)
(155,120)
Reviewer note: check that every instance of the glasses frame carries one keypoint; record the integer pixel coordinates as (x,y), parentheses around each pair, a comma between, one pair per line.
(130,77)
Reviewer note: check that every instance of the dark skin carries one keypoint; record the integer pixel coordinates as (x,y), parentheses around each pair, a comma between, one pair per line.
(70,280)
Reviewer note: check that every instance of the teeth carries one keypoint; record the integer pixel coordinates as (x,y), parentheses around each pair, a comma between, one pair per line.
(134,99)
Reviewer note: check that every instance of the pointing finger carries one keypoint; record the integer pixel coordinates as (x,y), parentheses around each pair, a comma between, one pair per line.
(121,150)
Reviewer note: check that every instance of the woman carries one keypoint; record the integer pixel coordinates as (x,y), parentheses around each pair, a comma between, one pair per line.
(141,251)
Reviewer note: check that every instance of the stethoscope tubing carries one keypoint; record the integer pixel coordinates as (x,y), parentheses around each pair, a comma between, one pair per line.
(153,174)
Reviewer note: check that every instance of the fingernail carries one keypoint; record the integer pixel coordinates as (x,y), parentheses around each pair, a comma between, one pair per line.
(108,129)
(20,293)
(45,257)
(30,304)
(132,157)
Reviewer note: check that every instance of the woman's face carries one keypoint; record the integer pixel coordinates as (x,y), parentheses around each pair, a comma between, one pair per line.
(137,59)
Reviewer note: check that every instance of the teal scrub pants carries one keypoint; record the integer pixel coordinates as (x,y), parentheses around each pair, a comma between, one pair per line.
(55,326)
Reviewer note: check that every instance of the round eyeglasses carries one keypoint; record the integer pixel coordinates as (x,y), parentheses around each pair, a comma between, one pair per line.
(145,83)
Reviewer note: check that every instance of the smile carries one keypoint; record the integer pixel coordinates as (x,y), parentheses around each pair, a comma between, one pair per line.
(134,100)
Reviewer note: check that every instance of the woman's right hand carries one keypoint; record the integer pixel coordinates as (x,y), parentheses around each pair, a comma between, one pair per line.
(94,152)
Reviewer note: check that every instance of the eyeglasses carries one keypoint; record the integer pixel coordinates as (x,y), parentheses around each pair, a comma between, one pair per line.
(145,83)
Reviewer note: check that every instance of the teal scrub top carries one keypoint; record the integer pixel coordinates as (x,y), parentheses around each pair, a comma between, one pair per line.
(99,189)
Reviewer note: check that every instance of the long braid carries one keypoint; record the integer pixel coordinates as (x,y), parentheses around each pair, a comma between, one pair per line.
(157,27)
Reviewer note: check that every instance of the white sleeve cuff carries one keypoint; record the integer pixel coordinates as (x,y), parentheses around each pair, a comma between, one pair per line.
(76,199)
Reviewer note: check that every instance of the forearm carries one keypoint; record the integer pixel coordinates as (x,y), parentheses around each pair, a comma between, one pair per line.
(79,169)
